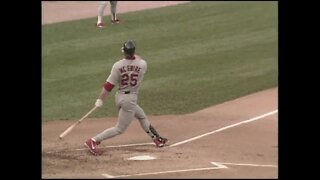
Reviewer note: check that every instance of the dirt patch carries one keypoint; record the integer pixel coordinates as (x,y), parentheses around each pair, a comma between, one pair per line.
(55,11)
(253,143)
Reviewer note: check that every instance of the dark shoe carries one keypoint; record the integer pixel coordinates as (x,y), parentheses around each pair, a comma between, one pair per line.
(117,21)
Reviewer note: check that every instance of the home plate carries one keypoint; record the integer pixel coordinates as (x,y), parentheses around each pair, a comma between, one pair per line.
(142,158)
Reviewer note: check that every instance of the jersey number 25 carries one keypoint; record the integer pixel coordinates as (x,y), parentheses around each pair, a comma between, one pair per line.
(133,79)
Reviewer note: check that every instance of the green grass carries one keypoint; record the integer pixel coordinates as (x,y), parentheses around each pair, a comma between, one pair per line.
(198,54)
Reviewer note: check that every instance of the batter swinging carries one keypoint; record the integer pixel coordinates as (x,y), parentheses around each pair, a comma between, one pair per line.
(128,74)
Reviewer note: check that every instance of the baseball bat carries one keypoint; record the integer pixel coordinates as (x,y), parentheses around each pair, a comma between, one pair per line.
(67,131)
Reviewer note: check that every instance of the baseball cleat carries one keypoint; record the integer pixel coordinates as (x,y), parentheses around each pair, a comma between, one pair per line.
(100,25)
(117,21)
(92,146)
(160,141)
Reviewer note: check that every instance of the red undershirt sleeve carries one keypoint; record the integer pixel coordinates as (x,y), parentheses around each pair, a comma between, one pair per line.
(108,86)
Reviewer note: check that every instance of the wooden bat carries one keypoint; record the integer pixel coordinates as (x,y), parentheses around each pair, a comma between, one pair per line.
(67,131)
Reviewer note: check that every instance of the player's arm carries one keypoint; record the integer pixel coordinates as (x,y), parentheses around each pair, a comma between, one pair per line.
(106,89)
(108,86)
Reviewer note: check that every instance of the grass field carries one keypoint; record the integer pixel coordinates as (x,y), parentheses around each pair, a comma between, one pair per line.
(198,54)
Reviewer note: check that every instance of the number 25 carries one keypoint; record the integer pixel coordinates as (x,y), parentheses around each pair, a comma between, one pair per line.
(133,79)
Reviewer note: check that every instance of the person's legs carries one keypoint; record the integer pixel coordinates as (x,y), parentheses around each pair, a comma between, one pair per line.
(101,9)
(126,115)
(144,122)
(124,119)
(148,128)
(113,9)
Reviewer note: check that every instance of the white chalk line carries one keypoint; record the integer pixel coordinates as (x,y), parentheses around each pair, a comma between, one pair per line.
(218,165)
(107,175)
(224,128)
(185,141)
(118,146)
(113,146)
(243,164)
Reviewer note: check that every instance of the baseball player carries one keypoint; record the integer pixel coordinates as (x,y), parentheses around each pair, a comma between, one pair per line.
(128,74)
(113,9)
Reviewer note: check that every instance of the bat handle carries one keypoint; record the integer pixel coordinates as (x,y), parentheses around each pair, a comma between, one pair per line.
(95,107)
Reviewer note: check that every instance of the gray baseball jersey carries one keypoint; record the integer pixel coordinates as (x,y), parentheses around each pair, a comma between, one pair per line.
(128,74)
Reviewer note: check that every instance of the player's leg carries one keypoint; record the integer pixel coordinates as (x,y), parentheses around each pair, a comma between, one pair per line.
(124,120)
(145,123)
(148,128)
(113,9)
(125,117)
(102,7)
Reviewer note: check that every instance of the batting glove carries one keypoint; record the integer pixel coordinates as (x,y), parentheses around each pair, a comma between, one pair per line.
(99,103)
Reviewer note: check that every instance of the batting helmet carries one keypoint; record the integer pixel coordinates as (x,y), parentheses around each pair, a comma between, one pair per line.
(129,47)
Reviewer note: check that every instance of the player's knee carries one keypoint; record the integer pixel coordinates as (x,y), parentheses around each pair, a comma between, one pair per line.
(141,118)
(120,130)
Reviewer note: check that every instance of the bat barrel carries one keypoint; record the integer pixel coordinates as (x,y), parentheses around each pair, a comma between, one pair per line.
(75,124)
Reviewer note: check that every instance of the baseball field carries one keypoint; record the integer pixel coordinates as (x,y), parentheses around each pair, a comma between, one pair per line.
(211,89)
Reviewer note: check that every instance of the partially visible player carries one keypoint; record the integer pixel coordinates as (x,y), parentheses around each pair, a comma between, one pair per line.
(128,74)
(113,10)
